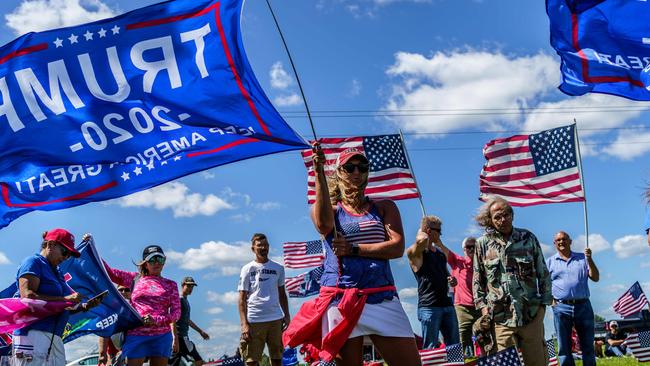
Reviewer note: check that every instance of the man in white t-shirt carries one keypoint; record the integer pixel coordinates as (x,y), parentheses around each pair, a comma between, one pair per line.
(263,305)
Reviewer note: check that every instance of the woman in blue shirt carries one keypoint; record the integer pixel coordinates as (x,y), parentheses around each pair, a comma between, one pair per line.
(39,278)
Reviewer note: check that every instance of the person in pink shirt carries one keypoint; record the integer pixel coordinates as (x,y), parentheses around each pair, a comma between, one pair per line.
(462,271)
(156,299)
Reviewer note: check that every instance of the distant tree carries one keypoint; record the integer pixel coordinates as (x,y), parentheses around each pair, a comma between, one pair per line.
(598,318)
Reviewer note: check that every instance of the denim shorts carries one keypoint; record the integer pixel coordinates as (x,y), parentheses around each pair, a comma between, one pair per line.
(140,346)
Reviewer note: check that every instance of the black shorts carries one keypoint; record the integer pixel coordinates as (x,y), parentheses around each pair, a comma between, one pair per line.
(187,349)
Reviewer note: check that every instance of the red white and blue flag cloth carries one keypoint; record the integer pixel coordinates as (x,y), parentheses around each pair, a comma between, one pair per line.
(105,109)
(304,254)
(631,302)
(639,344)
(443,356)
(370,231)
(227,361)
(507,357)
(533,169)
(305,284)
(551,353)
(390,175)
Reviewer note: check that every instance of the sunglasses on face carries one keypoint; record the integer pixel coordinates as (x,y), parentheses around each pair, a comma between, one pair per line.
(156,259)
(124,290)
(469,248)
(349,167)
(64,251)
(436,229)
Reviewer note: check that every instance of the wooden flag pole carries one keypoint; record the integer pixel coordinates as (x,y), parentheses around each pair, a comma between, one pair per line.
(582,182)
(295,72)
(408,160)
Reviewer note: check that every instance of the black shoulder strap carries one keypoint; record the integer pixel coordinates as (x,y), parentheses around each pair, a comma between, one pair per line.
(135,280)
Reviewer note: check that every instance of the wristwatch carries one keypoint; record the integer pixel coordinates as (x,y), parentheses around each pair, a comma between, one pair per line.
(355,249)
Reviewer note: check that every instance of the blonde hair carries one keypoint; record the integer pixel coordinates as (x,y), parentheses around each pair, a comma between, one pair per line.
(426,220)
(341,192)
(483,217)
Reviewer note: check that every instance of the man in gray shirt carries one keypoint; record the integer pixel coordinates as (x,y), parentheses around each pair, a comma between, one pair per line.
(187,347)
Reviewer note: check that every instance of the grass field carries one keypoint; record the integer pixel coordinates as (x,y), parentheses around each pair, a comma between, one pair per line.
(615,361)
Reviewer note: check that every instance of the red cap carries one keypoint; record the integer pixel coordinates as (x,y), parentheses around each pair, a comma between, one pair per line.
(348,154)
(63,237)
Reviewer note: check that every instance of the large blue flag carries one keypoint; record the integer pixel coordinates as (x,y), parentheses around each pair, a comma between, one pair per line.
(604,46)
(104,109)
(87,276)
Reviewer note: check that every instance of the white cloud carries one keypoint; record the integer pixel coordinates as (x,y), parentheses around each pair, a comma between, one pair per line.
(645,265)
(214,254)
(280,79)
(616,288)
(408,292)
(4,259)
(597,243)
(207,175)
(227,298)
(355,88)
(629,144)
(177,197)
(40,15)
(466,80)
(80,347)
(631,245)
(214,310)
(267,206)
(547,250)
(224,339)
(287,100)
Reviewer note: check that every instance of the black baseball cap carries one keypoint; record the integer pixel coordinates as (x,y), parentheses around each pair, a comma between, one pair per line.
(152,251)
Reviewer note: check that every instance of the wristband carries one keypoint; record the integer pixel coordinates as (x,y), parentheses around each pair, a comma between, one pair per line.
(355,249)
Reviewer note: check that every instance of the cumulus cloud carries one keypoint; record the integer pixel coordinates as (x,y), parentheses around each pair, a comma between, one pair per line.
(224,339)
(408,292)
(178,198)
(226,298)
(631,245)
(280,79)
(355,88)
(597,243)
(228,258)
(629,144)
(4,259)
(40,15)
(214,310)
(547,250)
(287,100)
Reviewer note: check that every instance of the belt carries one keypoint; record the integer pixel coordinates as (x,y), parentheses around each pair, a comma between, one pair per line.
(572,301)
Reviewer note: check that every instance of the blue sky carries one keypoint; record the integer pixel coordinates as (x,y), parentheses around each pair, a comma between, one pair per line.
(470,67)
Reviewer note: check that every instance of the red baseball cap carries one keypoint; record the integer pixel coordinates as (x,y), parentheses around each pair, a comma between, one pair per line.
(63,237)
(348,154)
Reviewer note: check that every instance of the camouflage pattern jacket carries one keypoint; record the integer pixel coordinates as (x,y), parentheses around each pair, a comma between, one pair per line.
(510,277)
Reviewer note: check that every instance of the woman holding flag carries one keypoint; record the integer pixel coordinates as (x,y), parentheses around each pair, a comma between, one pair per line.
(156,300)
(358,296)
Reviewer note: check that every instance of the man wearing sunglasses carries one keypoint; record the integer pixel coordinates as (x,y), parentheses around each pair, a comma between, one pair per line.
(462,270)
(435,309)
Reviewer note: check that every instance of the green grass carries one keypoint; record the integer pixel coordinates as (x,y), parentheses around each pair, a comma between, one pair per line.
(614,361)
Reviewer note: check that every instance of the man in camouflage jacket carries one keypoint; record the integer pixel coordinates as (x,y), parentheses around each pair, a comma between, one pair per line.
(511,282)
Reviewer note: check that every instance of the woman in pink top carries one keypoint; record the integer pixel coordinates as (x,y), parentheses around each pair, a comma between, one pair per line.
(156,300)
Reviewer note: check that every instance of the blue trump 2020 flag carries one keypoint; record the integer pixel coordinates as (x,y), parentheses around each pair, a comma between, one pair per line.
(104,109)
(87,276)
(604,46)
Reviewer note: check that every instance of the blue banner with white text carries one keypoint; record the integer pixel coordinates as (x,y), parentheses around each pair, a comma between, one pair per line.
(604,46)
(105,109)
(87,276)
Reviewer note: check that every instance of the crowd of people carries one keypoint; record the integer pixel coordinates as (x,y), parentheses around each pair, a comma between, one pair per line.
(502,286)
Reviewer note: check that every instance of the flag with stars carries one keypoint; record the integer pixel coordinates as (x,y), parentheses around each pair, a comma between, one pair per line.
(550,352)
(229,361)
(303,254)
(305,284)
(443,356)
(101,110)
(390,175)
(631,302)
(533,169)
(639,344)
(507,357)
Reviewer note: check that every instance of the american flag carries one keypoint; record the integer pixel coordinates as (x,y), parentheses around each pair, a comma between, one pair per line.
(5,344)
(229,361)
(303,254)
(371,231)
(305,284)
(631,302)
(443,356)
(550,351)
(639,344)
(389,176)
(534,169)
(507,357)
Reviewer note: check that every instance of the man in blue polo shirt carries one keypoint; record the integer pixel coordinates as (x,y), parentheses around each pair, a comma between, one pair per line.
(571,307)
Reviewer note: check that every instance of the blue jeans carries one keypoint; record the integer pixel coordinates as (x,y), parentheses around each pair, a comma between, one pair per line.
(437,320)
(580,316)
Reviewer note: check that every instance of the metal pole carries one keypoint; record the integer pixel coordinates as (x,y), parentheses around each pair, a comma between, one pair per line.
(408,159)
(582,182)
(295,72)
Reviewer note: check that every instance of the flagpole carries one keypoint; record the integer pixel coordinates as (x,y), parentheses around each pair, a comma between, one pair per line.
(408,159)
(582,182)
(295,72)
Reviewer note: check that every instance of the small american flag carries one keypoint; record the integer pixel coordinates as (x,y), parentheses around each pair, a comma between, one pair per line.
(303,254)
(371,231)
(443,356)
(507,357)
(550,351)
(631,302)
(5,344)
(534,169)
(389,176)
(305,284)
(229,361)
(639,344)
